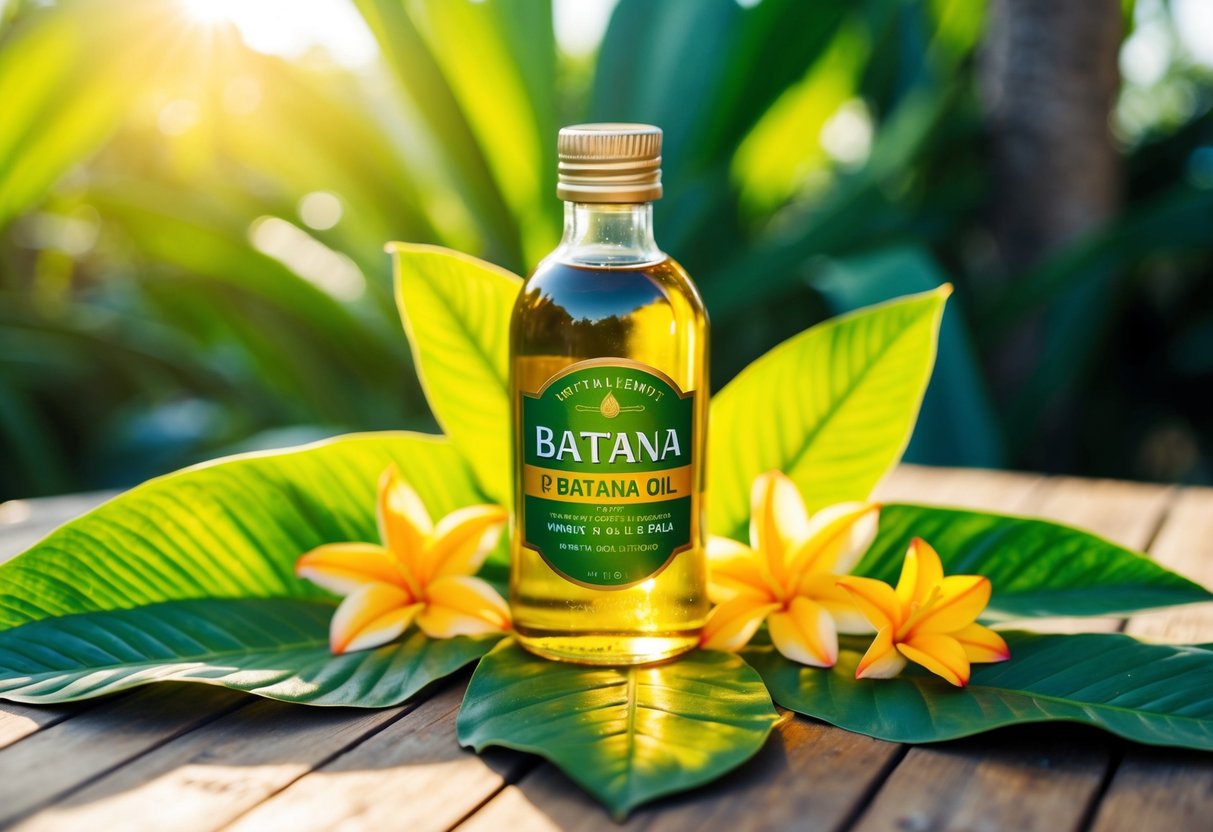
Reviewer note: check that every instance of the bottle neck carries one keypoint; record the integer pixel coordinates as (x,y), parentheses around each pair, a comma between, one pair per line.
(608,234)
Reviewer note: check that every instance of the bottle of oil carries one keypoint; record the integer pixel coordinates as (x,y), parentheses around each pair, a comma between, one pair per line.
(608,374)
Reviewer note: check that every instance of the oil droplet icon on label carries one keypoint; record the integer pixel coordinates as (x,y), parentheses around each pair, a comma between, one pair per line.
(609,407)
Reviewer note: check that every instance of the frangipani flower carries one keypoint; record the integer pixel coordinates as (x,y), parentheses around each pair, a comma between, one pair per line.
(422,572)
(928,619)
(788,574)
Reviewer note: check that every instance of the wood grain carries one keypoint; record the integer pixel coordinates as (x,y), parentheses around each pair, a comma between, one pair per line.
(1156,788)
(19,721)
(957,487)
(411,775)
(67,755)
(1159,789)
(210,776)
(807,777)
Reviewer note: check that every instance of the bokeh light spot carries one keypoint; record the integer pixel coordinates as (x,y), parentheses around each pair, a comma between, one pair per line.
(320,210)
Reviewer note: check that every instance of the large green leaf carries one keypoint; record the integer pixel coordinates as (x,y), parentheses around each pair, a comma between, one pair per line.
(273,647)
(1037,567)
(226,529)
(957,393)
(625,734)
(1159,694)
(833,407)
(456,311)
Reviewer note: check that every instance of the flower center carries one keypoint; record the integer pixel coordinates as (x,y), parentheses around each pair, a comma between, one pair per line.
(917,611)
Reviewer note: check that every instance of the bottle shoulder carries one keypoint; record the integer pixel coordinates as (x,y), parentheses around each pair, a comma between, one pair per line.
(593,292)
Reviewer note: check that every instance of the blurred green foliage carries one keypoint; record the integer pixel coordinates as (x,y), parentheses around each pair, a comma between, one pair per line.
(191,231)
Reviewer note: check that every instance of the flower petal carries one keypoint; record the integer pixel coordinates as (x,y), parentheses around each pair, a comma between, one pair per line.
(920,573)
(372,615)
(805,633)
(346,567)
(882,661)
(940,654)
(981,644)
(836,538)
(462,540)
(961,600)
(731,625)
(404,523)
(823,588)
(778,519)
(734,569)
(875,599)
(460,605)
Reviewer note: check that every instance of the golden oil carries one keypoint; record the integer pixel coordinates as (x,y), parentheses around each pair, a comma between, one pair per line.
(608,376)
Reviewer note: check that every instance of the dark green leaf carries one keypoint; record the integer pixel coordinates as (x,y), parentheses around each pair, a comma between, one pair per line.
(1037,567)
(272,647)
(625,734)
(1159,694)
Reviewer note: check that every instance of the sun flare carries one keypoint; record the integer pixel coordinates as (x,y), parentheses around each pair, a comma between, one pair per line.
(283,27)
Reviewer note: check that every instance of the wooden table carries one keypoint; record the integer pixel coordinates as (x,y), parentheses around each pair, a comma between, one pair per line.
(190,757)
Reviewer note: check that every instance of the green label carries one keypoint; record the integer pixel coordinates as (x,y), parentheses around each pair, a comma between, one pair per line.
(608,481)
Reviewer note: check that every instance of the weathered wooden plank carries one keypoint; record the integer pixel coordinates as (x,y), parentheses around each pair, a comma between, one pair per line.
(411,775)
(805,778)
(1156,788)
(957,487)
(1185,544)
(1029,779)
(61,758)
(212,775)
(1040,779)
(19,721)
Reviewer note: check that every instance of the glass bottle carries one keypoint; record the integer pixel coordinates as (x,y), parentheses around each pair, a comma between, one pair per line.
(608,376)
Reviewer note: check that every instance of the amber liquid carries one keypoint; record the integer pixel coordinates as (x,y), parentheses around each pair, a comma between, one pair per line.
(651,314)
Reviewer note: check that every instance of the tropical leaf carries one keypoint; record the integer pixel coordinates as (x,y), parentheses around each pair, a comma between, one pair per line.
(226,529)
(1037,567)
(832,407)
(456,311)
(272,647)
(625,734)
(68,75)
(957,393)
(1159,694)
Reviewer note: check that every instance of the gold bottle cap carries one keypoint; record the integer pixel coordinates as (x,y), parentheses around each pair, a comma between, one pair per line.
(609,163)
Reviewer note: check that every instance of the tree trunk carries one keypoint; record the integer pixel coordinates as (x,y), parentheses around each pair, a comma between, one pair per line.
(1049,79)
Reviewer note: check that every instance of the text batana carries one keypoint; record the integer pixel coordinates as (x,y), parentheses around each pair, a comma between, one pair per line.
(637,446)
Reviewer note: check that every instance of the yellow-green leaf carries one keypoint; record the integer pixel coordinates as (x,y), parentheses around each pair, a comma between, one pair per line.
(456,311)
(231,528)
(832,407)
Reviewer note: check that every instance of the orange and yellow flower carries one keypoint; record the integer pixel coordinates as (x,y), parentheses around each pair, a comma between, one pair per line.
(422,572)
(928,619)
(788,574)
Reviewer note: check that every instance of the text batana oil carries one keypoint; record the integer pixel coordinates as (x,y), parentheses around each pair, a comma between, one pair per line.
(608,374)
